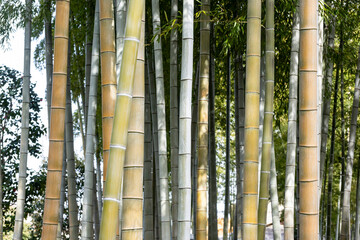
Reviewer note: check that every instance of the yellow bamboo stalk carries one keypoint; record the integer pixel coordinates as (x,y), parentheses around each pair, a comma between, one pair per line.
(57,121)
(108,74)
(132,215)
(119,135)
(251,128)
(308,166)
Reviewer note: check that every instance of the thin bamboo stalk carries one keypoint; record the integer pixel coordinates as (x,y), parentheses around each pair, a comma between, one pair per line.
(251,126)
(357,215)
(308,176)
(48,55)
(113,184)
(120,19)
(274,197)
(57,124)
(62,197)
(88,56)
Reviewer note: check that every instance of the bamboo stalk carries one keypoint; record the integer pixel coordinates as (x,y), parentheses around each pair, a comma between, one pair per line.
(113,184)
(57,121)
(62,197)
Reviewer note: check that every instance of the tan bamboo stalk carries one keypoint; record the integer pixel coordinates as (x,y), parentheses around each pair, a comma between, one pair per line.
(308,165)
(203,122)
(160,100)
(87,218)
(62,196)
(345,227)
(292,131)
(132,216)
(113,184)
(251,126)
(57,124)
(268,119)
(184,216)
(174,118)
(108,75)
(24,139)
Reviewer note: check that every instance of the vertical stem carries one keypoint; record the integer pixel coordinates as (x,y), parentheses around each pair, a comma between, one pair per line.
(62,197)
(274,197)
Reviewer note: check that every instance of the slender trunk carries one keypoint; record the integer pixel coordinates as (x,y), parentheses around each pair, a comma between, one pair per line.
(148,165)
(357,216)
(251,126)
(88,207)
(24,140)
(96,217)
(227,161)
(160,100)
(212,227)
(331,163)
(308,176)
(57,122)
(261,113)
(185,122)
(268,119)
(119,139)
(289,223)
(82,131)
(274,197)
(62,197)
(120,19)
(98,175)
(345,227)
(48,56)
(174,118)
(88,56)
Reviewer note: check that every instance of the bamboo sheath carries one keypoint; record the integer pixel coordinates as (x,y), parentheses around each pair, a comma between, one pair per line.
(292,132)
(162,142)
(174,118)
(268,119)
(87,219)
(108,74)
(119,137)
(203,122)
(251,125)
(24,139)
(308,165)
(57,122)
(132,215)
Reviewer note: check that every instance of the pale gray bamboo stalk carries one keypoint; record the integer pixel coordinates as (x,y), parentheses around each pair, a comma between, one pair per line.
(98,176)
(160,102)
(148,165)
(24,139)
(62,197)
(292,131)
(262,106)
(48,56)
(274,197)
(96,216)
(357,215)
(184,216)
(88,201)
(88,56)
(345,228)
(73,208)
(120,19)
(174,118)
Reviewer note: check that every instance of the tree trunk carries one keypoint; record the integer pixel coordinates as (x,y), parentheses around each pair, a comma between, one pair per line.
(345,227)
(212,227)
(88,207)
(24,140)
(268,119)
(274,197)
(252,97)
(56,137)
(185,122)
(113,185)
(292,132)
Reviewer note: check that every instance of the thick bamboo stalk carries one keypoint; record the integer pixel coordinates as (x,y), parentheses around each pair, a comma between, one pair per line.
(308,176)
(113,184)
(108,75)
(251,126)
(203,115)
(132,216)
(160,100)
(87,219)
(292,132)
(268,119)
(62,197)
(184,216)
(57,124)
(345,227)
(24,139)
(174,118)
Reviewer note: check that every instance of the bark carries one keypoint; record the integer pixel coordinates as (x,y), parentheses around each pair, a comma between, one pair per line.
(274,197)
(345,227)
(24,139)
(88,201)
(184,216)
(292,132)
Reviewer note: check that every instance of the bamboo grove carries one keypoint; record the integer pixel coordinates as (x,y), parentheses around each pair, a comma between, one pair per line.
(182,119)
